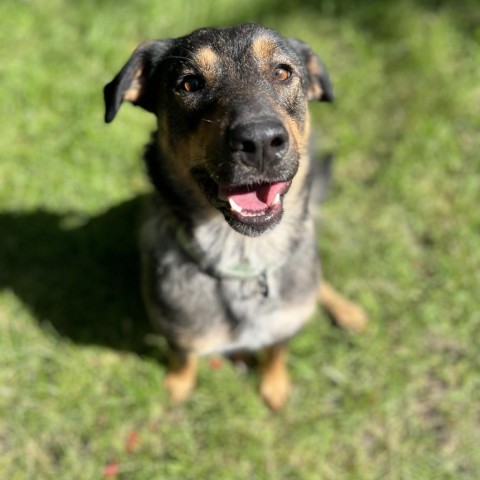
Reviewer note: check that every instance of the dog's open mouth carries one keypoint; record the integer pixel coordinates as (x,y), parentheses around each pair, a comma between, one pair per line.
(250,209)
(258,204)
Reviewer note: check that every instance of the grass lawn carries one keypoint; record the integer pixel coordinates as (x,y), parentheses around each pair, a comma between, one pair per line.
(80,370)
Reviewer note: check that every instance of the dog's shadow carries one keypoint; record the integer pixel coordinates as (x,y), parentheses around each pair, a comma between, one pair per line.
(82,278)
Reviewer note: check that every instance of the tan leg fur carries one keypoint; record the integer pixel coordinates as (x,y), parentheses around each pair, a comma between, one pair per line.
(345,313)
(275,383)
(181,377)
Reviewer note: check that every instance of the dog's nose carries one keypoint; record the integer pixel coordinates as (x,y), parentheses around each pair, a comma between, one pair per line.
(259,142)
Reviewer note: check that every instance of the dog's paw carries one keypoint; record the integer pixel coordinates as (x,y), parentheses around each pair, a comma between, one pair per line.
(345,313)
(351,317)
(275,389)
(179,387)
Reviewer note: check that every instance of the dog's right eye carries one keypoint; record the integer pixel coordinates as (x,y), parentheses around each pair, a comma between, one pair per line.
(192,83)
(282,73)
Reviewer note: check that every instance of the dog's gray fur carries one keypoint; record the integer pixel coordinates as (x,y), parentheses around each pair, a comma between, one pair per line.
(190,299)
(206,286)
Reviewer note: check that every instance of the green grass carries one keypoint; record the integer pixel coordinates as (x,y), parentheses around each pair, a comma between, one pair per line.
(79,367)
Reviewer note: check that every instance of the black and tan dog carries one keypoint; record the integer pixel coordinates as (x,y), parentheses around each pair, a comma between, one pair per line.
(229,251)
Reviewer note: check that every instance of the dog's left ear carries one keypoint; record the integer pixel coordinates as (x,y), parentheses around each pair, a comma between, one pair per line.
(319,84)
(132,83)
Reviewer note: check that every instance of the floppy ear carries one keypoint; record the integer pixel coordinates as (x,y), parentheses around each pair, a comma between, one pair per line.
(132,82)
(319,84)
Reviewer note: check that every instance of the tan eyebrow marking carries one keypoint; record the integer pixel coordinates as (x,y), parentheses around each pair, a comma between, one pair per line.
(206,58)
(263,47)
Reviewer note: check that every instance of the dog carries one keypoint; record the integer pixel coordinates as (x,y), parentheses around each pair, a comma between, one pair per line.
(229,252)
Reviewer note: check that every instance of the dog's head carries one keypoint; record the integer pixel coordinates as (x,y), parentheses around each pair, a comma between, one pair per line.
(232,114)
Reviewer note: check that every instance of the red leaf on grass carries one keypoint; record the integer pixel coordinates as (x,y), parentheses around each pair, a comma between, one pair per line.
(111,469)
(215,363)
(132,442)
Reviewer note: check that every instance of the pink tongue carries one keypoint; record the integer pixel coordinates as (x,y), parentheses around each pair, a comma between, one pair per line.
(255,198)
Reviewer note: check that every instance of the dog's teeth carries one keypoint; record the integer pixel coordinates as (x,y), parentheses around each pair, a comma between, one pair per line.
(234,206)
(276,199)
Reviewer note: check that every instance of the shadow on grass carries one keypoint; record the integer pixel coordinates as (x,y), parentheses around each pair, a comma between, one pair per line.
(83,280)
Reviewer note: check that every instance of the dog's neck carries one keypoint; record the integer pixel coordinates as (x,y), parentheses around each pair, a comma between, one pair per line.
(231,254)
(212,243)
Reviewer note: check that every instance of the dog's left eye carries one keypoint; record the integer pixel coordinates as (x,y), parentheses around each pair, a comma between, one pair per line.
(282,72)
(192,83)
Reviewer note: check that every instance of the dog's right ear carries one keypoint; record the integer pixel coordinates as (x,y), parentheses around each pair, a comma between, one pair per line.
(320,86)
(132,83)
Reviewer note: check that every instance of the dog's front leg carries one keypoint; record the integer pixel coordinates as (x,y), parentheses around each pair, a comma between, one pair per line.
(274,381)
(181,377)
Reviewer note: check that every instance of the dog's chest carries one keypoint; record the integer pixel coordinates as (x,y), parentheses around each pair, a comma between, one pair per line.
(240,296)
(261,313)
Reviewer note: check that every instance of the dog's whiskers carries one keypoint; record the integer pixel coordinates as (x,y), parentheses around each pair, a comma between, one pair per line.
(220,122)
(176,57)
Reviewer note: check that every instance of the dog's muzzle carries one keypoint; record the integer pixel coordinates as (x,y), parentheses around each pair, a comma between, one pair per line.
(249,187)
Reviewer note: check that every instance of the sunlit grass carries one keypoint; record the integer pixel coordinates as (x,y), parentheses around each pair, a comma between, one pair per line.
(79,367)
